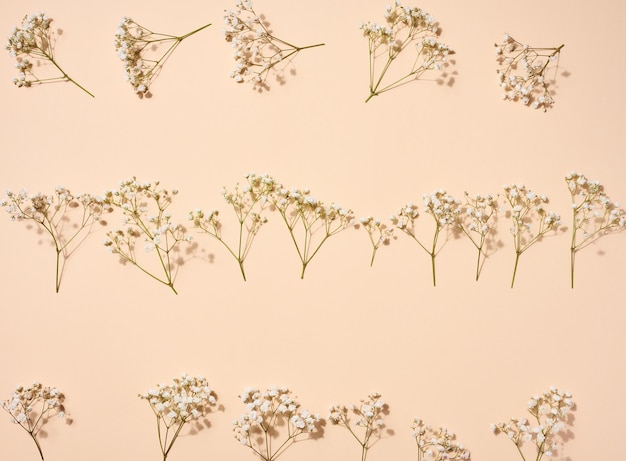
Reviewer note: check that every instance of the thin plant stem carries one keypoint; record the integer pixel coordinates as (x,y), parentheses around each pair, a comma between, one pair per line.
(34,437)
(65,76)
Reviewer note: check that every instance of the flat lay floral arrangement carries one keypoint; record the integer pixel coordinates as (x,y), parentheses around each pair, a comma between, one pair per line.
(402,48)
(150,238)
(274,420)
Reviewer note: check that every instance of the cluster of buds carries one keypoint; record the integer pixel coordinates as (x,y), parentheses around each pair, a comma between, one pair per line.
(55,214)
(299,208)
(478,222)
(266,413)
(31,407)
(249,204)
(187,398)
(379,234)
(137,45)
(594,213)
(436,444)
(35,40)
(526,207)
(403,27)
(257,50)
(369,420)
(522,72)
(445,211)
(160,234)
(550,412)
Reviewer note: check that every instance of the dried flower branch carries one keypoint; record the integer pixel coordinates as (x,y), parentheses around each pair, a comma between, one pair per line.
(403,27)
(257,50)
(436,444)
(35,40)
(369,414)
(32,407)
(187,398)
(445,211)
(550,412)
(249,204)
(522,72)
(379,234)
(299,209)
(594,214)
(136,45)
(478,222)
(53,213)
(526,207)
(265,414)
(160,234)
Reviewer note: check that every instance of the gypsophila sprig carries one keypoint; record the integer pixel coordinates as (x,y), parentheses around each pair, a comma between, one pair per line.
(436,444)
(249,202)
(32,407)
(188,398)
(445,211)
(550,412)
(302,213)
(147,221)
(257,50)
(478,222)
(404,27)
(522,72)
(68,219)
(594,213)
(379,234)
(364,421)
(35,40)
(144,52)
(527,207)
(273,422)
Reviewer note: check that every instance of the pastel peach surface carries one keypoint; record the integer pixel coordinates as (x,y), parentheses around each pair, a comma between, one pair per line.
(462,355)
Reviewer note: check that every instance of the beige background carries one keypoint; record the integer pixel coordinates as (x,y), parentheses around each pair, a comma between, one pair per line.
(463,354)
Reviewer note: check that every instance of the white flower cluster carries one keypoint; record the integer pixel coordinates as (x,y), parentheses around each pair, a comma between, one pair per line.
(550,412)
(249,204)
(31,407)
(257,51)
(443,207)
(266,413)
(594,213)
(299,208)
(478,221)
(403,26)
(369,414)
(379,233)
(592,206)
(524,202)
(437,444)
(522,72)
(53,214)
(159,232)
(136,46)
(187,398)
(526,207)
(34,39)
